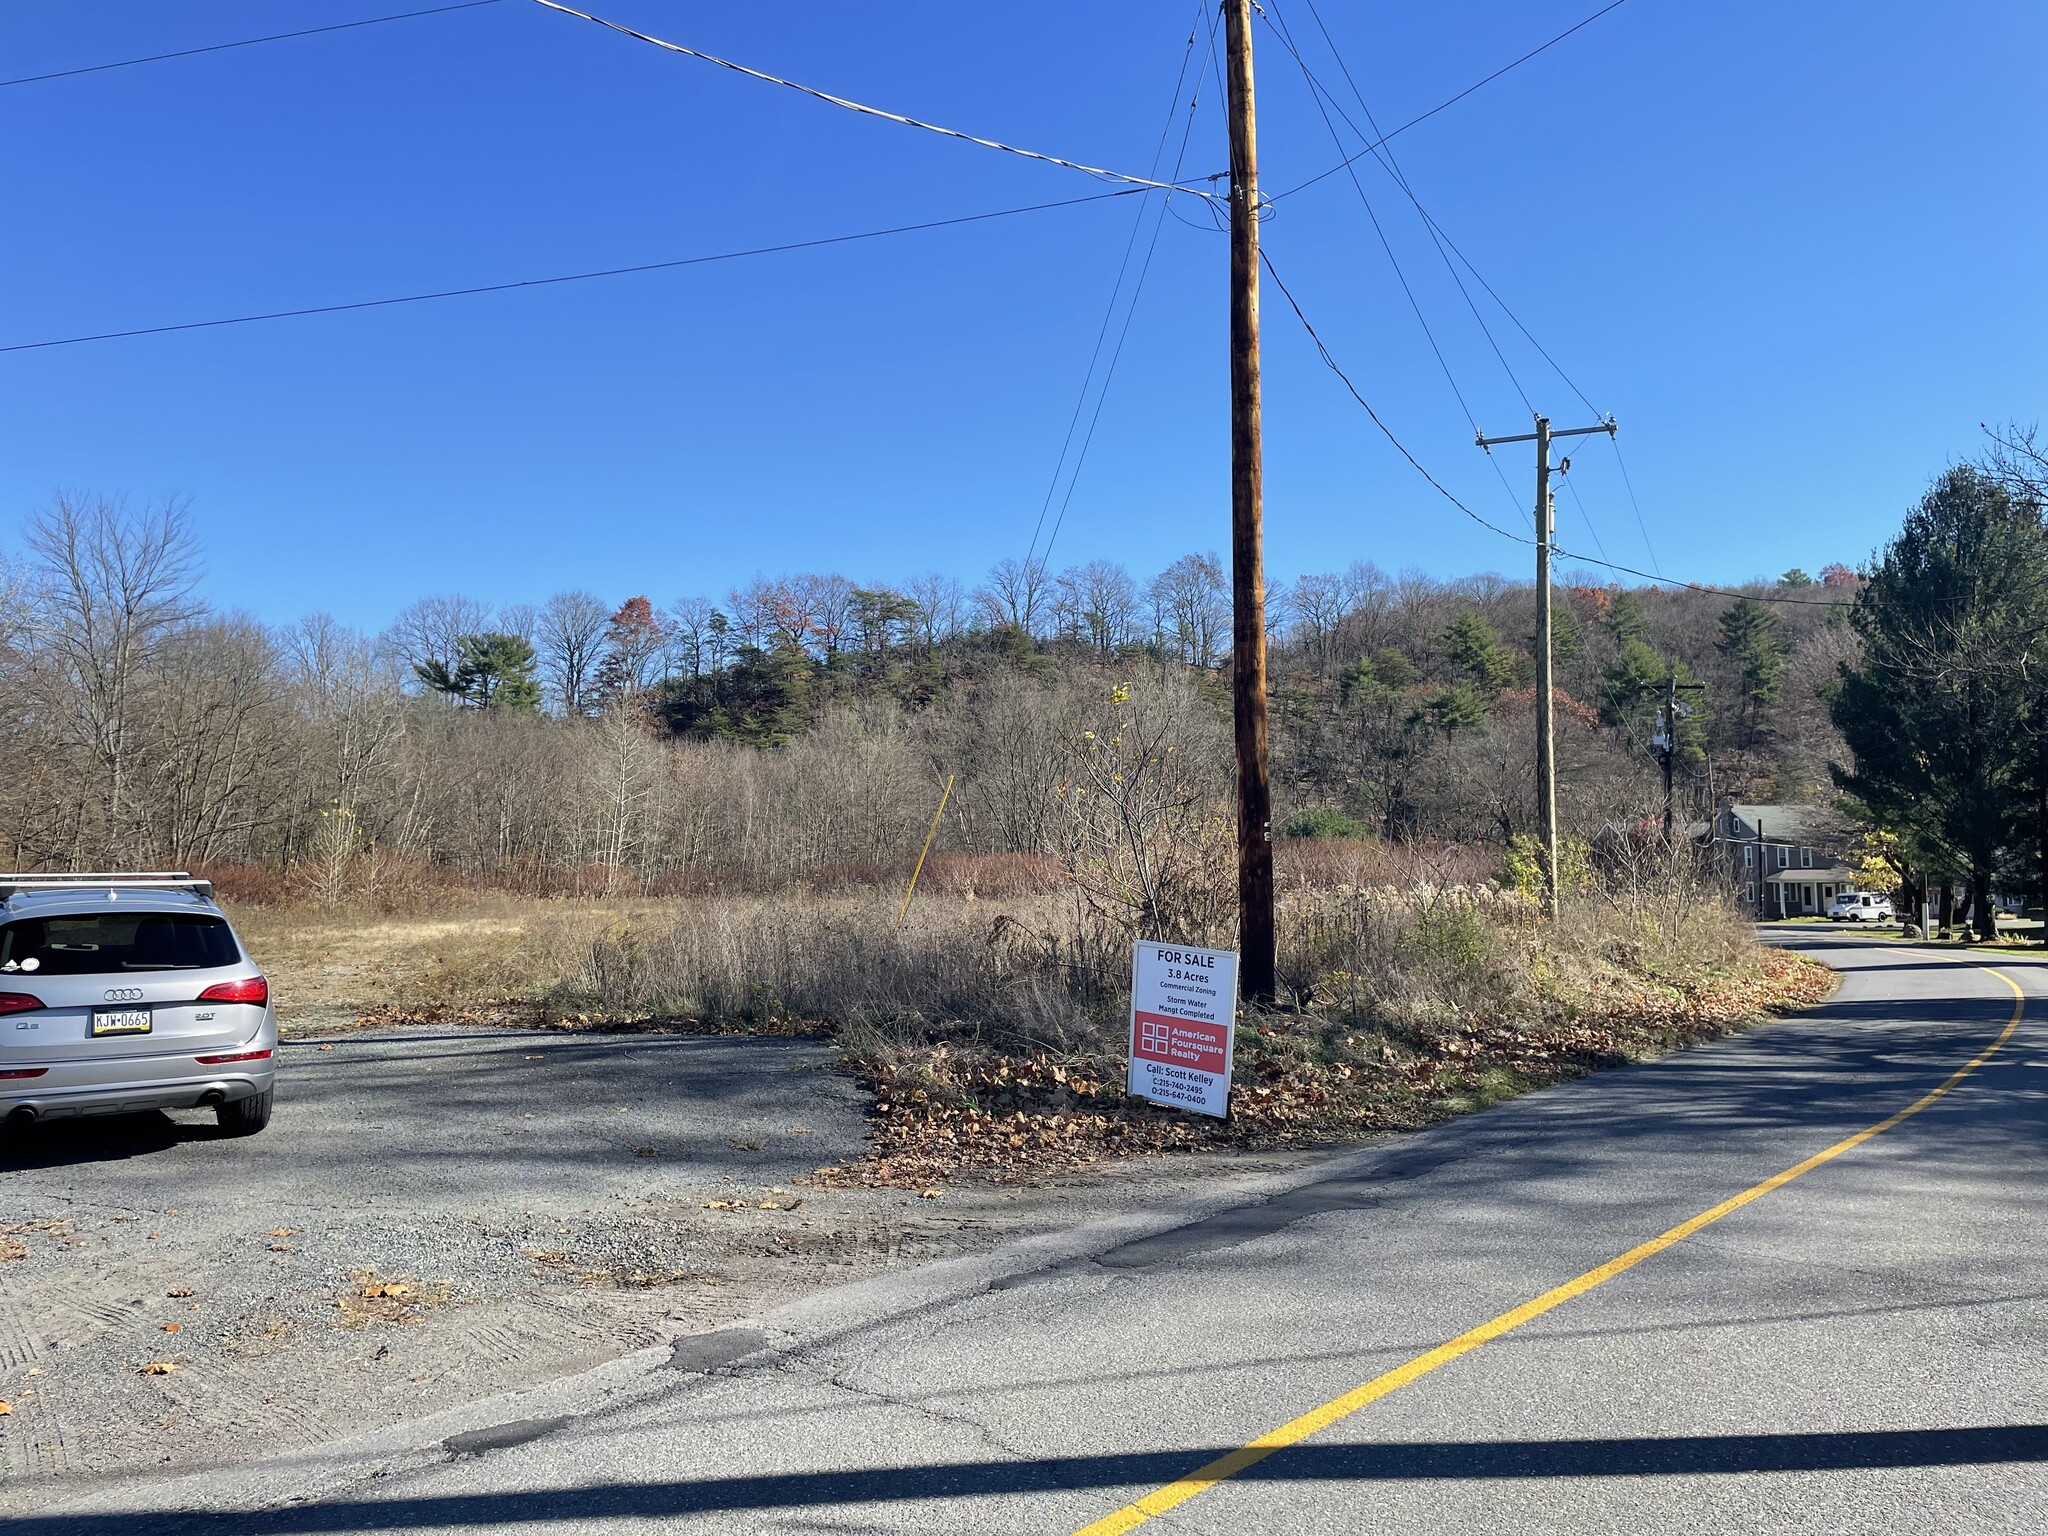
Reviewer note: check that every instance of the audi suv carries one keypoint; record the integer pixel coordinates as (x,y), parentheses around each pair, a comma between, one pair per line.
(128,992)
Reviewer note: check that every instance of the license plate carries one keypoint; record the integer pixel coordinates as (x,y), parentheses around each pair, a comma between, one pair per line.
(120,1021)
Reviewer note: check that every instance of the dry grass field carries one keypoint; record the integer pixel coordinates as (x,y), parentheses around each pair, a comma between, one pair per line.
(990,1031)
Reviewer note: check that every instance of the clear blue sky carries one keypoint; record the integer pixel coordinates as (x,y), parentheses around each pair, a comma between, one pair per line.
(1796,249)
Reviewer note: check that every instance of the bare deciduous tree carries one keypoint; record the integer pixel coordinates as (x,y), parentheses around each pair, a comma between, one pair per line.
(569,635)
(1013,595)
(428,634)
(115,586)
(1192,598)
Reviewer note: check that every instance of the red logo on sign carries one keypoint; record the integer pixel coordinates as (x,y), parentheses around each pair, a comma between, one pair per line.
(1186,1043)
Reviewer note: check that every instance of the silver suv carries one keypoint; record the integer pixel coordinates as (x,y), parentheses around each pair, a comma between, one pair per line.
(127,992)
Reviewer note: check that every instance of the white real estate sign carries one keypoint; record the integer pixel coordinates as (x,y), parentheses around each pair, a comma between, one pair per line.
(1183,1026)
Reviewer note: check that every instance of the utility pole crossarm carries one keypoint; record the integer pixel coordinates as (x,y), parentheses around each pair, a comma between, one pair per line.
(1610,427)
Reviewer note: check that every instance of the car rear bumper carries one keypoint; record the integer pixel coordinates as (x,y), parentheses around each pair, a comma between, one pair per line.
(70,1089)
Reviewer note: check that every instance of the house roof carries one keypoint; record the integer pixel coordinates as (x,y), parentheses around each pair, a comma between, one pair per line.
(1831,874)
(1788,823)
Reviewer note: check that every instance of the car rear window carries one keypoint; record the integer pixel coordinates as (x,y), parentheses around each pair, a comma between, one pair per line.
(97,943)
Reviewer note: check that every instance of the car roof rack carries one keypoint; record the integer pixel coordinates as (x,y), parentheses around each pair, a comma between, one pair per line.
(107,880)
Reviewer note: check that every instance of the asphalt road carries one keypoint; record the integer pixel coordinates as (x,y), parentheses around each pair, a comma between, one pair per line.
(1857,1349)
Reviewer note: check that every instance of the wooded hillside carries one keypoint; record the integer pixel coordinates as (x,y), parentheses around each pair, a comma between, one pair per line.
(803,725)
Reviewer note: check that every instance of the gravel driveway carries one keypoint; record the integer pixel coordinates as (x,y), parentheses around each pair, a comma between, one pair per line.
(438,1214)
(434,1214)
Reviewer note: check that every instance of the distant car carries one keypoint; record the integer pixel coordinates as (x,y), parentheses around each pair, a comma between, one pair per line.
(129,992)
(1860,907)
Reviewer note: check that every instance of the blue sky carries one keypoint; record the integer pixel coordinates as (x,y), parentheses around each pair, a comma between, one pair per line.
(1796,250)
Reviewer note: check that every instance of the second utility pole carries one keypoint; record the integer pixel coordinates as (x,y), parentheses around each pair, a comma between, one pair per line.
(1255,928)
(1546,686)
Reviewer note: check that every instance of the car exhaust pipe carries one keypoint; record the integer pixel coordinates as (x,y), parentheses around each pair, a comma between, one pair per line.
(21,1114)
(212,1097)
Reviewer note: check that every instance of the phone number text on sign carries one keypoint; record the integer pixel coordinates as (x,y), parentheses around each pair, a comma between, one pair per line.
(1183,1026)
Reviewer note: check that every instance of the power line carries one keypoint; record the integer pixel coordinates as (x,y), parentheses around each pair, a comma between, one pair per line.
(1116,290)
(1416,464)
(1384,154)
(1319,95)
(1642,527)
(867,111)
(1453,101)
(247,42)
(1401,448)
(571,277)
(1442,240)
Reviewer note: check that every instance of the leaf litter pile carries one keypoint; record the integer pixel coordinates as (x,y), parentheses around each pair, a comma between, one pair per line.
(1300,1079)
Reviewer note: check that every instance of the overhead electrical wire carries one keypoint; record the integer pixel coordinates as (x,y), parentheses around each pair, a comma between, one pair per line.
(1445,246)
(1318,95)
(1621,462)
(1131,185)
(1442,490)
(867,111)
(1033,554)
(572,277)
(1453,101)
(247,42)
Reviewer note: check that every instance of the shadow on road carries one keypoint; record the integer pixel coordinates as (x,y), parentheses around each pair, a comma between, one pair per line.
(97,1139)
(1694,1455)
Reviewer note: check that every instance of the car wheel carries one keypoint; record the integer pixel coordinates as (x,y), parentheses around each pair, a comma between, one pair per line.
(245,1117)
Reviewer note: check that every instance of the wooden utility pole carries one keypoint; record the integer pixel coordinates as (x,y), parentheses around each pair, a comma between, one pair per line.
(1255,927)
(1255,936)
(1546,685)
(1668,747)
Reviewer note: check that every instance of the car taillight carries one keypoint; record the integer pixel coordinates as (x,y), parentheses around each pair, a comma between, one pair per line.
(18,1002)
(254,990)
(214,1061)
(17,1072)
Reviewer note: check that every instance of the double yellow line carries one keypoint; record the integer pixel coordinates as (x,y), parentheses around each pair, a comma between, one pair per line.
(1223,1468)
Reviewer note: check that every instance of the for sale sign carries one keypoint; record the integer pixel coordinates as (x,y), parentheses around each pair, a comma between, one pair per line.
(1183,1026)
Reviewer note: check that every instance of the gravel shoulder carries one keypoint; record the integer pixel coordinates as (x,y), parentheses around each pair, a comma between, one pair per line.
(440,1214)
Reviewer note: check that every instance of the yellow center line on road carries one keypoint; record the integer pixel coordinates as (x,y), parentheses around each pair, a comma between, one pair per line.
(1223,1468)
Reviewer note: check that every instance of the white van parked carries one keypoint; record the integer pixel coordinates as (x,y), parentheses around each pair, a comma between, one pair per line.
(1860,907)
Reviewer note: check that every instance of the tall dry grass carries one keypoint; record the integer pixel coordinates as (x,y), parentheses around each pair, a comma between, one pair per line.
(1046,973)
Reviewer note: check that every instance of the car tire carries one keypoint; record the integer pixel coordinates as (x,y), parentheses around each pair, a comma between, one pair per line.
(245,1117)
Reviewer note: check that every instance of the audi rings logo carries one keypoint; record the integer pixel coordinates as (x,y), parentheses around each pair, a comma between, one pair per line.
(124,994)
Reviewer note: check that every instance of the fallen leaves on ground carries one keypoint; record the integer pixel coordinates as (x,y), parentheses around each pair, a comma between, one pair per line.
(524,1015)
(1298,1080)
(753,1205)
(6,1407)
(180,1293)
(12,1234)
(160,1367)
(373,1298)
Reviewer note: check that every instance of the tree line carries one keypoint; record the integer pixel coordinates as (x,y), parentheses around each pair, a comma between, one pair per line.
(802,724)
(1944,712)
